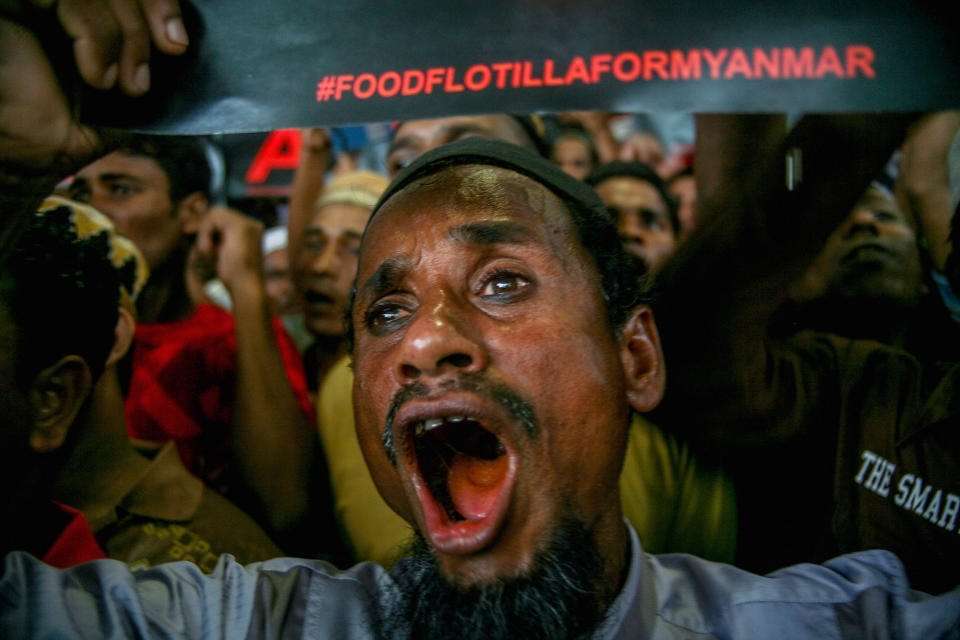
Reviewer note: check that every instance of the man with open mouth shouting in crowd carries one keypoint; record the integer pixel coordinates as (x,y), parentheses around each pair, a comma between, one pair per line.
(500,343)
(486,358)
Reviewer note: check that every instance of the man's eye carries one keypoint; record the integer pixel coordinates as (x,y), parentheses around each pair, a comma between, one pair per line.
(383,316)
(80,195)
(316,245)
(504,286)
(884,216)
(120,190)
(350,247)
(400,161)
(651,220)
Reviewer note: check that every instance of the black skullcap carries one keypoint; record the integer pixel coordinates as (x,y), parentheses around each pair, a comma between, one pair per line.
(496,153)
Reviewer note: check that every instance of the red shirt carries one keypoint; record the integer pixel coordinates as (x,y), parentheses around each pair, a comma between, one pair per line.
(183,384)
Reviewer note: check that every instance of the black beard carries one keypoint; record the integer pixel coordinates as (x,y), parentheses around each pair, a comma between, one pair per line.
(562,597)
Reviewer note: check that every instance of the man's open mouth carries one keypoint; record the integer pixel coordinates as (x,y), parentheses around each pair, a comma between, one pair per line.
(317,298)
(463,475)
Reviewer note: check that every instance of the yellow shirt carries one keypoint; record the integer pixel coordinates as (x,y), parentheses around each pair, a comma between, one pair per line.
(674,503)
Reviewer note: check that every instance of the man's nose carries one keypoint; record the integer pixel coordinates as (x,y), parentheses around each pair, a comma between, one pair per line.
(328,261)
(437,343)
(633,229)
(861,220)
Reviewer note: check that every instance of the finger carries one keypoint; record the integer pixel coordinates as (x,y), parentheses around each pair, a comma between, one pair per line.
(166,25)
(316,139)
(97,40)
(206,234)
(135,52)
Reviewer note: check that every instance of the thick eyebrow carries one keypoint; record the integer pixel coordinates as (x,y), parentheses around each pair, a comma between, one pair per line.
(387,276)
(486,234)
(108,177)
(401,143)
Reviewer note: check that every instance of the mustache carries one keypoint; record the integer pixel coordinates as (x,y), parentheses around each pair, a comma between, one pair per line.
(518,408)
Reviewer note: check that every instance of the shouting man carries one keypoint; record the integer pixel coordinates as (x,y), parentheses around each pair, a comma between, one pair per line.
(499,344)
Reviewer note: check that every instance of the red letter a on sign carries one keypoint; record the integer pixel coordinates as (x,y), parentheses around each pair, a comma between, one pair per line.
(281,150)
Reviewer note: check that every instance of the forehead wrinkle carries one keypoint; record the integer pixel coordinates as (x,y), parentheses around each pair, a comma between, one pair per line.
(489,189)
(504,191)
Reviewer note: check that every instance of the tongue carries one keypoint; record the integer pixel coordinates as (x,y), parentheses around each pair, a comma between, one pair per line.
(473,484)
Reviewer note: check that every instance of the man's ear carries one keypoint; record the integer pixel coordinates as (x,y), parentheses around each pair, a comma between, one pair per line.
(56,396)
(642,359)
(123,337)
(191,210)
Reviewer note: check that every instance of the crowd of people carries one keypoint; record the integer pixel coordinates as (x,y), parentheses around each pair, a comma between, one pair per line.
(534,375)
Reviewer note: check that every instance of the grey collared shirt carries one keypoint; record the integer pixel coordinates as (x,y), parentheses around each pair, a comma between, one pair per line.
(862,595)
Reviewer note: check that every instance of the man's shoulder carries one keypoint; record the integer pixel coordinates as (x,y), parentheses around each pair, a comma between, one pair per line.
(849,362)
(39,601)
(169,515)
(838,599)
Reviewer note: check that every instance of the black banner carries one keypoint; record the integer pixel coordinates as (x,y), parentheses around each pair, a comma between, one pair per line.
(259,66)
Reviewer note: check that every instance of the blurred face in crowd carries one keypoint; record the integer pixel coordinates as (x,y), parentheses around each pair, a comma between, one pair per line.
(327,265)
(643,219)
(485,369)
(572,155)
(415,137)
(873,254)
(278,283)
(684,189)
(134,192)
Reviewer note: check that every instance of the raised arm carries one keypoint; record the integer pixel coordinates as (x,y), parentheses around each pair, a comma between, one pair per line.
(307,187)
(769,200)
(272,439)
(924,184)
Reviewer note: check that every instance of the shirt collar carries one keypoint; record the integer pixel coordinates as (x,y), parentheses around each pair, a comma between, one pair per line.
(165,491)
(622,620)
(75,544)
